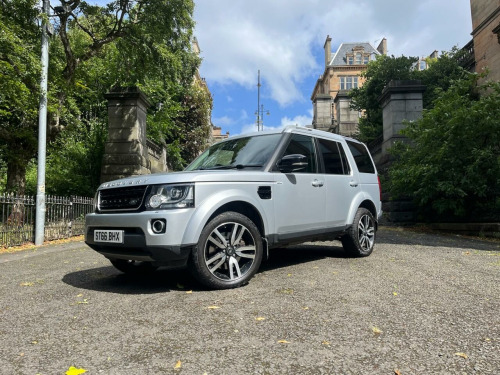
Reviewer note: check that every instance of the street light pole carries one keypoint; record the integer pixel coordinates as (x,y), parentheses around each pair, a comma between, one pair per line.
(42,131)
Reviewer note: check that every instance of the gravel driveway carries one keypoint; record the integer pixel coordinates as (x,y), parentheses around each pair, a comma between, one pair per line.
(420,304)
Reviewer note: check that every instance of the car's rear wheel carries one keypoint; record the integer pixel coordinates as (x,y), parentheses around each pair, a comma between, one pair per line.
(360,238)
(228,253)
(133,267)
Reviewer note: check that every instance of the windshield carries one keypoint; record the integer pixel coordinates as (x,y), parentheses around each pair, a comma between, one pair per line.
(238,153)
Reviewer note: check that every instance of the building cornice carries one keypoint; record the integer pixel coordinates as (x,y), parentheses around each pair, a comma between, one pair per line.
(488,19)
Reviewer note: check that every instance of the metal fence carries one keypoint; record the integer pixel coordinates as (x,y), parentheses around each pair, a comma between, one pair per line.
(64,218)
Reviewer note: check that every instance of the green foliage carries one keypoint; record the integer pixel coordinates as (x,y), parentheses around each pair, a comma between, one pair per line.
(441,72)
(452,164)
(74,161)
(123,43)
(19,80)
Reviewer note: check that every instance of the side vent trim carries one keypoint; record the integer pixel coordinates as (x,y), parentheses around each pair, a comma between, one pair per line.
(264,192)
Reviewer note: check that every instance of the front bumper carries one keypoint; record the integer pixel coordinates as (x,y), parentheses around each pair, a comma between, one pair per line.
(139,241)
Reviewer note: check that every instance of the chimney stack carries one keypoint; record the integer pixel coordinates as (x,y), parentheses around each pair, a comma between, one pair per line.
(328,50)
(382,47)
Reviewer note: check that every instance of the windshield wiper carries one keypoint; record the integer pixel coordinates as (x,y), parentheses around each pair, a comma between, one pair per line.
(232,166)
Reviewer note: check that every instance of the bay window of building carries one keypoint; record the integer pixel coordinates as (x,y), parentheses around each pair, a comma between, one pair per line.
(348,82)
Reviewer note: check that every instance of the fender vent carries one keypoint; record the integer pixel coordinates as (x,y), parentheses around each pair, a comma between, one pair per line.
(264,192)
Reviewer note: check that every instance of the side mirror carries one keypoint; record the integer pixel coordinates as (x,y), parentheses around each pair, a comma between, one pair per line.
(292,163)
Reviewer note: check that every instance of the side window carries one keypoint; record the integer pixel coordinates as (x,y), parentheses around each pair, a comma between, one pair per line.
(334,161)
(361,157)
(303,145)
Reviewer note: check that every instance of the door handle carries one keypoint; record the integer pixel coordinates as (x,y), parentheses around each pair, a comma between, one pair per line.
(353,183)
(317,183)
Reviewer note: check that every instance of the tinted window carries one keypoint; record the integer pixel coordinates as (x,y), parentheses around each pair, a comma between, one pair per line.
(303,145)
(361,157)
(332,158)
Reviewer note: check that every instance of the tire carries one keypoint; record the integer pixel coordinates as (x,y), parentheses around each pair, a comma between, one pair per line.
(228,253)
(360,238)
(133,267)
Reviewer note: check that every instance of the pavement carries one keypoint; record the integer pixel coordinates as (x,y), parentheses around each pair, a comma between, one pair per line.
(422,303)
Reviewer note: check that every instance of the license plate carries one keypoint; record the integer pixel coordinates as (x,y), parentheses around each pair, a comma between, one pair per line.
(109,236)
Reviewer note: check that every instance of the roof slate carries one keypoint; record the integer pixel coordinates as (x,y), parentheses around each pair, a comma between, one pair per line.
(339,57)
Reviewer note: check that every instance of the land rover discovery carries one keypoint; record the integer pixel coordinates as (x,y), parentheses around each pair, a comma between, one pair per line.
(236,201)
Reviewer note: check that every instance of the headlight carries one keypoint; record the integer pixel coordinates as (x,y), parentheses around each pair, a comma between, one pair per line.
(170,196)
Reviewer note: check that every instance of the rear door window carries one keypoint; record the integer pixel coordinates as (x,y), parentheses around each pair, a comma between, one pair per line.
(361,157)
(333,155)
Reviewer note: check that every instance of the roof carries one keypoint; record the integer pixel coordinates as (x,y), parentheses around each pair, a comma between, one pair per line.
(339,57)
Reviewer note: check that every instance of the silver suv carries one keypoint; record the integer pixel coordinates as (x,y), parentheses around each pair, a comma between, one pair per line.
(237,200)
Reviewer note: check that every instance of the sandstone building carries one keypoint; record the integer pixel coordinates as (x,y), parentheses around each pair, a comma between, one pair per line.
(486,36)
(331,102)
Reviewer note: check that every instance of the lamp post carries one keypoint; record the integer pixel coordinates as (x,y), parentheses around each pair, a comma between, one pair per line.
(42,131)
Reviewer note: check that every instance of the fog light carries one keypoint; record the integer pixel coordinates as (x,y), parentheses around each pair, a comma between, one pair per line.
(158,226)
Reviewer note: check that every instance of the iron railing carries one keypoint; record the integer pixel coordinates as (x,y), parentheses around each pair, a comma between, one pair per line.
(64,218)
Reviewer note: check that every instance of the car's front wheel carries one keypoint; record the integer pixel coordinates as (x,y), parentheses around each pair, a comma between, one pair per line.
(228,253)
(360,238)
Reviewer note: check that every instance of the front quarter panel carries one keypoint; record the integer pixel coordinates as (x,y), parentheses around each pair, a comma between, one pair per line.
(210,197)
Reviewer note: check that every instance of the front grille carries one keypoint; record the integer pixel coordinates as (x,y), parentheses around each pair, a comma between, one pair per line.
(122,199)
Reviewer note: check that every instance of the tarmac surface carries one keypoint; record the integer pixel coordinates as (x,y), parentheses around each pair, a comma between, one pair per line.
(420,304)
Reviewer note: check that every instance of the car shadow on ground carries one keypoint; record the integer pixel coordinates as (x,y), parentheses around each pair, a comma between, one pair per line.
(110,280)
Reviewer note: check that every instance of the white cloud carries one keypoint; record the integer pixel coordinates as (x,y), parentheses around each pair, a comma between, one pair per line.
(280,37)
(298,120)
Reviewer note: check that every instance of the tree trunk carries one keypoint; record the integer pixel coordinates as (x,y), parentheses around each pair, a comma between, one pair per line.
(16,176)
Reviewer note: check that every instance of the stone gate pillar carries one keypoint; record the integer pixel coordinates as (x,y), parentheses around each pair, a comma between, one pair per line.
(400,100)
(126,150)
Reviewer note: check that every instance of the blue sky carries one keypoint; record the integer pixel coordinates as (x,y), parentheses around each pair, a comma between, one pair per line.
(284,40)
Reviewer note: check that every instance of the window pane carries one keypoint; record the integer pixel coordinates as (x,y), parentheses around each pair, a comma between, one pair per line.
(361,157)
(358,58)
(331,156)
(342,83)
(355,82)
(366,59)
(303,145)
(349,83)
(351,60)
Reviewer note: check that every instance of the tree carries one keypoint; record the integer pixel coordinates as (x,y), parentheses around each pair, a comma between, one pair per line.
(439,75)
(452,164)
(378,74)
(19,80)
(143,43)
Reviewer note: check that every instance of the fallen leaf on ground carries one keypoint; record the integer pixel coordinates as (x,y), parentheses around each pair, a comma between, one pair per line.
(260,318)
(463,355)
(213,307)
(85,301)
(75,371)
(283,342)
(306,308)
(397,372)
(189,292)
(326,343)
(395,293)
(376,330)
(178,365)
(27,284)
(289,274)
